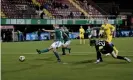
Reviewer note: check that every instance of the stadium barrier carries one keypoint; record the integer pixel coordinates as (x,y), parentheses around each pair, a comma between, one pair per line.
(5,21)
(34,36)
(44,36)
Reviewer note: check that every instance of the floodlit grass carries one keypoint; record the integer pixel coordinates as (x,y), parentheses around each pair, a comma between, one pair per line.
(80,65)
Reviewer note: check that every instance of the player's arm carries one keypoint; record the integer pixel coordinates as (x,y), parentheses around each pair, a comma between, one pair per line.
(48,30)
(101,30)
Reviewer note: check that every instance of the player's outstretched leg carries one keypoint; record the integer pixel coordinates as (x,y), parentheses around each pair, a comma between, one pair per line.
(42,51)
(120,57)
(124,58)
(38,51)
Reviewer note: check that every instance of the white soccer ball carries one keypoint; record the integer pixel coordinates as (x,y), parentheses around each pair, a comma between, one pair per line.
(21,58)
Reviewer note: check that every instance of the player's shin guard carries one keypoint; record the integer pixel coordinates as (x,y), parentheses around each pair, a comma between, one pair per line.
(57,56)
(45,50)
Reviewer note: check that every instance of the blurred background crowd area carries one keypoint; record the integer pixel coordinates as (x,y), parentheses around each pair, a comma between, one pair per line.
(63,9)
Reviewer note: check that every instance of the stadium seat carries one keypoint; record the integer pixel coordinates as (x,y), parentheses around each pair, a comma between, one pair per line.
(9,8)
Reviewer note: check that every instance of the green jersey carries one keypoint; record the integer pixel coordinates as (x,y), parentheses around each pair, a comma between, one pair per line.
(58,35)
(88,31)
(66,36)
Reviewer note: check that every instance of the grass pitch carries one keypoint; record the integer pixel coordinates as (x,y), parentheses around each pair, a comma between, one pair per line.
(80,63)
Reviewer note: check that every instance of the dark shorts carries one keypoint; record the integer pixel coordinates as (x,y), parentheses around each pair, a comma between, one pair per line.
(106,50)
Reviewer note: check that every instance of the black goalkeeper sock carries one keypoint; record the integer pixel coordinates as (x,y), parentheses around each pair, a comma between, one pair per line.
(120,57)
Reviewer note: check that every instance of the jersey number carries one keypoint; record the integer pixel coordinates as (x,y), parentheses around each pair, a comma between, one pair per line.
(101,43)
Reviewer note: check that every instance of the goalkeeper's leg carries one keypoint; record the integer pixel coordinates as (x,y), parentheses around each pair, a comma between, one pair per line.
(120,57)
(99,57)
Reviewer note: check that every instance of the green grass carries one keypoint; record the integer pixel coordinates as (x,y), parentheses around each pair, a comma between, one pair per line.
(80,63)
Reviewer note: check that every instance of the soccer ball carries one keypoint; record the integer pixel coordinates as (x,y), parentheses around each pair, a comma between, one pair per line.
(21,58)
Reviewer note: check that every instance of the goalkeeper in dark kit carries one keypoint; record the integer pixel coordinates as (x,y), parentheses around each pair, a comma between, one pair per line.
(103,47)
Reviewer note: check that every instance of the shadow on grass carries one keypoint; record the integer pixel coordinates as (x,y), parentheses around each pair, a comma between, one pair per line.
(87,65)
(116,62)
(85,62)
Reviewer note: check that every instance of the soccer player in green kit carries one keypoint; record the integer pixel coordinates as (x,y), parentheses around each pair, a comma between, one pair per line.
(59,42)
(67,40)
(89,32)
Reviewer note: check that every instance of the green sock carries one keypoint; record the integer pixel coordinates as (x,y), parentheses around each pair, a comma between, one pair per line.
(45,50)
(57,55)
(63,50)
(67,48)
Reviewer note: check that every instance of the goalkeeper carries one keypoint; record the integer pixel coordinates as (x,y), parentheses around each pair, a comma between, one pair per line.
(103,47)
